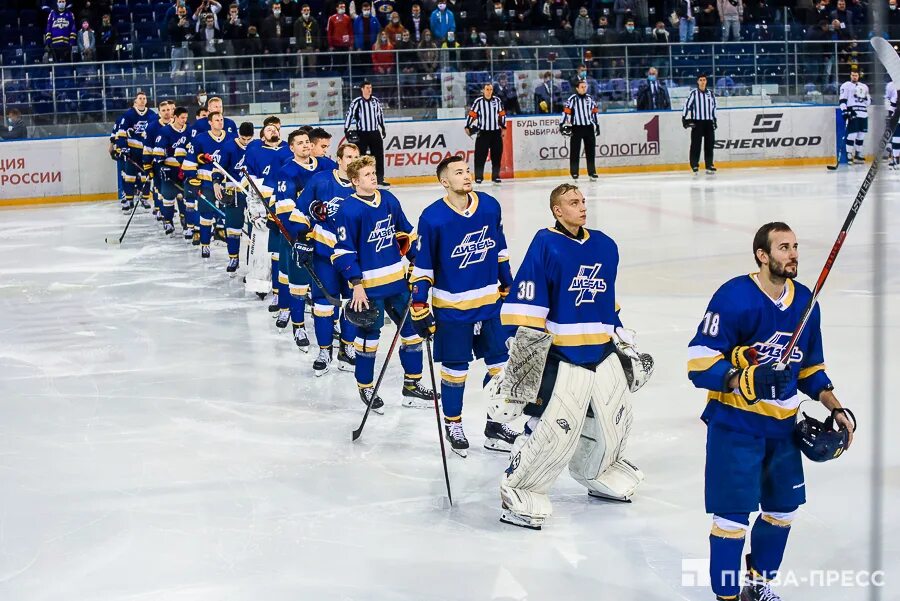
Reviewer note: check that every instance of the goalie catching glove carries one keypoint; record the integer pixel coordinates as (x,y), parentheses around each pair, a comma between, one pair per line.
(638,367)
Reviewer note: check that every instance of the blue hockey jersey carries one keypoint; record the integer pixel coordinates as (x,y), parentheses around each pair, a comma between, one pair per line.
(204,143)
(233,158)
(262,160)
(201,125)
(742,314)
(326,187)
(150,152)
(462,258)
(171,146)
(60,30)
(567,286)
(130,130)
(367,246)
(289,183)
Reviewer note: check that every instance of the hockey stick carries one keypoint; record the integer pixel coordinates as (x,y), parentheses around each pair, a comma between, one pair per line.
(118,240)
(437,416)
(837,160)
(358,431)
(218,211)
(306,265)
(891,62)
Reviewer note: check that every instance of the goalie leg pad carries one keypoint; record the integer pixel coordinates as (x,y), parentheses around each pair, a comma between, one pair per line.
(259,262)
(537,460)
(598,462)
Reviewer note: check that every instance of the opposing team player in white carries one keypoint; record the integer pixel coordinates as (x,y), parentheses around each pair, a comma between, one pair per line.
(570,367)
(890,101)
(855,101)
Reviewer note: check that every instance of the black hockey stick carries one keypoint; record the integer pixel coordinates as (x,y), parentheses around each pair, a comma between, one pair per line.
(437,416)
(111,240)
(218,211)
(306,264)
(358,431)
(837,160)
(891,62)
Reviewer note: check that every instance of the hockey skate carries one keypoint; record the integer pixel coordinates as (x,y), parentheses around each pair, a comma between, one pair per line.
(187,234)
(456,437)
(416,396)
(284,318)
(367,395)
(144,203)
(858,158)
(710,171)
(233,265)
(204,252)
(508,516)
(127,205)
(346,357)
(756,588)
(168,229)
(499,437)
(273,304)
(195,238)
(322,362)
(300,338)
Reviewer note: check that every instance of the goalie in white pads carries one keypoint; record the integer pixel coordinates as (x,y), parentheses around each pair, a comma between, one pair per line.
(570,373)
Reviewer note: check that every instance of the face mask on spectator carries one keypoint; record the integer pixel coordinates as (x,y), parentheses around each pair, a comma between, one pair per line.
(202,98)
(277,12)
(367,13)
(305,16)
(651,77)
(629,28)
(395,20)
(442,6)
(61,6)
(341,11)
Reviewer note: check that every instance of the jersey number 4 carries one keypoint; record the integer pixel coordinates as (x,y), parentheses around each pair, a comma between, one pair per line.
(711,324)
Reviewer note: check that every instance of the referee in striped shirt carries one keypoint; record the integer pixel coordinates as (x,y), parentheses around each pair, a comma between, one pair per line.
(700,116)
(580,120)
(487,120)
(365,122)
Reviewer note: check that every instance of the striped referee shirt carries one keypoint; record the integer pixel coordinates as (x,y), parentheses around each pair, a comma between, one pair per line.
(487,115)
(367,115)
(580,109)
(700,106)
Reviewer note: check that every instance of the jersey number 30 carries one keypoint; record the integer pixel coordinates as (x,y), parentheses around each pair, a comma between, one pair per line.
(526,290)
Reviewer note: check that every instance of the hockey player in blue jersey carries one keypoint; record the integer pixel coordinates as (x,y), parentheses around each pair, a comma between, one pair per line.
(263,158)
(130,140)
(293,280)
(202,124)
(169,150)
(752,461)
(462,259)
(190,197)
(206,182)
(234,202)
(321,199)
(373,235)
(563,304)
(151,160)
(321,144)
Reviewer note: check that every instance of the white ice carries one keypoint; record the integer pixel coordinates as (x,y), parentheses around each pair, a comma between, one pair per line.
(160,441)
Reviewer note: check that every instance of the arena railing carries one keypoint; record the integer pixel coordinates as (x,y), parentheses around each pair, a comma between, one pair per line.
(425,83)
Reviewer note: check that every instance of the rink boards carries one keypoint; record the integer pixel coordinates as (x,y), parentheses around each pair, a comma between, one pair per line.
(74,169)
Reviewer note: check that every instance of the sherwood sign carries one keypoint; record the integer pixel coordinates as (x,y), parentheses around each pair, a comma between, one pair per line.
(766,132)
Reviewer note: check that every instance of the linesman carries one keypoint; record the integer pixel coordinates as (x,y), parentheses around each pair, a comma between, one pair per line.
(364,126)
(487,120)
(699,116)
(579,121)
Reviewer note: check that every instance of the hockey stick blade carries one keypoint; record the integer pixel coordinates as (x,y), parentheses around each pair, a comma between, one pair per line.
(891,62)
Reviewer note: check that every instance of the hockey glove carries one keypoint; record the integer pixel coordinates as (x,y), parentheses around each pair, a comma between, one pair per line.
(318,210)
(687,123)
(205,158)
(597,129)
(383,133)
(303,252)
(759,382)
(404,242)
(715,124)
(504,291)
(744,356)
(423,319)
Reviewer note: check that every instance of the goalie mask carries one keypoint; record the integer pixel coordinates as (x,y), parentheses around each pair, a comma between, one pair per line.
(822,441)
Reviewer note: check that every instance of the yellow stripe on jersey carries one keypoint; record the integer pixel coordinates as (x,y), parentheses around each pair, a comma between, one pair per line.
(808,371)
(518,319)
(704,363)
(385,279)
(580,339)
(463,305)
(737,401)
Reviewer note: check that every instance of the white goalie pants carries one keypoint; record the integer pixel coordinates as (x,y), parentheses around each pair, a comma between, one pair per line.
(592,447)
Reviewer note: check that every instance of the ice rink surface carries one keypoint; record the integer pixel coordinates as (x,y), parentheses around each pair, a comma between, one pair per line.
(159,440)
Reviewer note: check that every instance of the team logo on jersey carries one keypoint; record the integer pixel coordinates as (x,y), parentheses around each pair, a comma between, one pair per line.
(473,248)
(564,425)
(333,205)
(383,235)
(587,284)
(772,349)
(239,165)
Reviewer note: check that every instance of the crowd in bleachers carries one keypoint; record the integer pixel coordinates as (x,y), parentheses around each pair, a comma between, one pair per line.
(87,30)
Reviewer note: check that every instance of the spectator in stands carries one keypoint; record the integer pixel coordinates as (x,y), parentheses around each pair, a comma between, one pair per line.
(816,54)
(365,28)
(860,11)
(253,44)
(821,11)
(660,34)
(442,21)
(731,12)
(603,37)
(429,56)
(416,23)
(652,94)
(547,95)
(233,33)
(107,39)
(519,13)
(471,13)
(406,60)
(450,51)
(555,13)
(210,39)
(584,28)
(760,14)
(840,35)
(624,10)
(90,11)
(14,128)
(340,29)
(87,43)
(708,24)
(180,36)
(394,28)
(384,59)
(507,95)
(290,10)
(844,16)
(893,19)
(308,36)
(275,32)
(205,7)
(475,56)
(59,36)
(687,20)
(581,74)
(630,35)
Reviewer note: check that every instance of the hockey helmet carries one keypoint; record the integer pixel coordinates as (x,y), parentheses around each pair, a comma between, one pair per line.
(822,441)
(365,319)
(352,136)
(473,130)
(565,129)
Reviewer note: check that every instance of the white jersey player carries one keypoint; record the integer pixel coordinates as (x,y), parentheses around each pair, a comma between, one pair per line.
(890,103)
(855,101)
(569,368)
